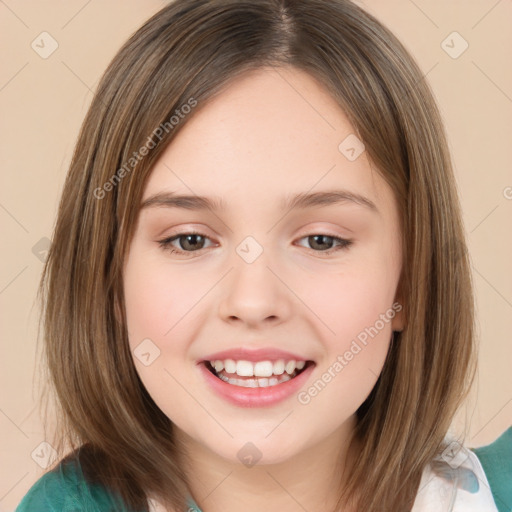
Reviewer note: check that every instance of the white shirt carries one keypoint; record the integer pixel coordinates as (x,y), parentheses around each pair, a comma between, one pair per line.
(455,482)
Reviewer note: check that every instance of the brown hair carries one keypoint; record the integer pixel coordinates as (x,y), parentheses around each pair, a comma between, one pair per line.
(189,51)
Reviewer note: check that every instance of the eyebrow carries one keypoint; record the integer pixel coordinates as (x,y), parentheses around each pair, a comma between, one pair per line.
(299,201)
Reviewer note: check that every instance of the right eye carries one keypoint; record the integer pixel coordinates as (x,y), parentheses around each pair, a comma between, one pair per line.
(192,240)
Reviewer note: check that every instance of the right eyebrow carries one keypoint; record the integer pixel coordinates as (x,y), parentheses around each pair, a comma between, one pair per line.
(170,200)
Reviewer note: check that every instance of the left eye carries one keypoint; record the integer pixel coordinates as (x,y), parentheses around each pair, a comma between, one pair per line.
(194,242)
(319,240)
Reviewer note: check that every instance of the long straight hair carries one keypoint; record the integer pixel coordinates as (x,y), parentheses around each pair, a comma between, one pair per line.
(188,52)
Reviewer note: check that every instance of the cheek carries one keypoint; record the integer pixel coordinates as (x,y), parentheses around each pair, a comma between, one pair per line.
(157,299)
(348,302)
(156,308)
(356,311)
(146,300)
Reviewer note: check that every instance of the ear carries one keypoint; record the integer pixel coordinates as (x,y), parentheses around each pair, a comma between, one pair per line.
(398,322)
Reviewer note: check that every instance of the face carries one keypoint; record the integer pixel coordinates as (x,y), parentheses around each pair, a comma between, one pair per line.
(264,278)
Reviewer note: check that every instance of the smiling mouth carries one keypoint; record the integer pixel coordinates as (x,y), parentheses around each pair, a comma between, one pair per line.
(259,381)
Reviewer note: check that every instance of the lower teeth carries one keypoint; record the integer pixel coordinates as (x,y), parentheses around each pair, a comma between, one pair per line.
(258,382)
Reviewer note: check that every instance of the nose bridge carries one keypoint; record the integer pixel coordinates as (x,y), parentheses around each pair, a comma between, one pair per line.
(254,292)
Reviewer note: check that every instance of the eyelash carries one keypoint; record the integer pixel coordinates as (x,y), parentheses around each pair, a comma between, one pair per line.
(165,244)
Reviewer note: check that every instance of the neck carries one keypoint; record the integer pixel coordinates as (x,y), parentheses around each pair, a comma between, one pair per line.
(309,480)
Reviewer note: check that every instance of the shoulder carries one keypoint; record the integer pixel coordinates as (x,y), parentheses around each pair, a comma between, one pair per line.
(64,489)
(463,479)
(496,461)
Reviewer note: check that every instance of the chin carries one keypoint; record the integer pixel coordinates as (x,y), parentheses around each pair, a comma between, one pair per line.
(260,452)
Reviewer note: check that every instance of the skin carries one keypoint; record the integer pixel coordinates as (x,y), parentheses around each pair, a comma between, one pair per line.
(270,134)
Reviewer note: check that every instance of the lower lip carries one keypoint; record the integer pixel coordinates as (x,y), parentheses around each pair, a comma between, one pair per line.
(255,397)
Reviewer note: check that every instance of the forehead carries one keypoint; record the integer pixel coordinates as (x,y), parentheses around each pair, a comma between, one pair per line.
(273,132)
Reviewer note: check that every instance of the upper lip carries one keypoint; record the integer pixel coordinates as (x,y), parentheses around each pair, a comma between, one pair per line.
(255,355)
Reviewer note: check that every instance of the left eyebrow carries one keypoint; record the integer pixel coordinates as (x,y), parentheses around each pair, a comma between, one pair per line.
(298,201)
(326,198)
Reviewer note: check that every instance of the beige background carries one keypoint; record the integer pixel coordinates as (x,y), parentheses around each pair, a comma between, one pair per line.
(43,102)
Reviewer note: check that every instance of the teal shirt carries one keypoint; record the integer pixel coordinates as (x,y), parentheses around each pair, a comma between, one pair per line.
(65,491)
(496,459)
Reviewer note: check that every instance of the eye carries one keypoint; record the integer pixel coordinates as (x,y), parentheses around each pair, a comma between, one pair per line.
(321,240)
(193,241)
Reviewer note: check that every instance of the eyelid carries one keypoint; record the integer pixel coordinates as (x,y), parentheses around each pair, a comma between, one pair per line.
(166,241)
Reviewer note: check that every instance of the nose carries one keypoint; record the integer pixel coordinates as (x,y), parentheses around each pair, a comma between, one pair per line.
(255,293)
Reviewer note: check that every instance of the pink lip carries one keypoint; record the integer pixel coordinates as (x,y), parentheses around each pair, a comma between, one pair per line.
(255,397)
(262,354)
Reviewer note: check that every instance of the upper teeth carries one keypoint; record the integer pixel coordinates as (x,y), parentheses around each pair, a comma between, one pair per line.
(259,369)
